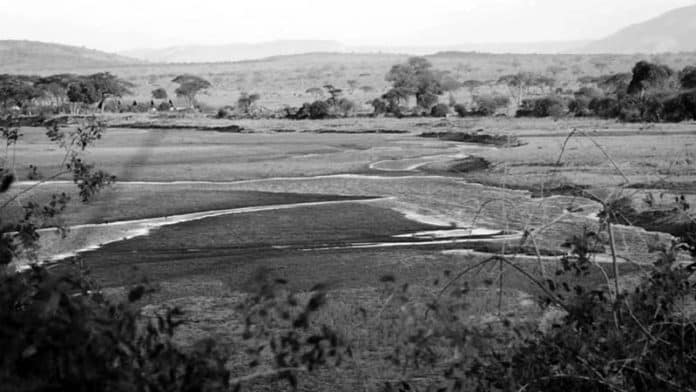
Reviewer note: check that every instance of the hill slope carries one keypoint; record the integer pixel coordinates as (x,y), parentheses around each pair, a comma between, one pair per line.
(40,57)
(673,31)
(231,52)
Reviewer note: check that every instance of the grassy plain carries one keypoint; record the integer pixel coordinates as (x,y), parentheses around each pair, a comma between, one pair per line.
(205,266)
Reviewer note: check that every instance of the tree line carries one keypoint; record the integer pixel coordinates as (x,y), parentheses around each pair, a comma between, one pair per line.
(651,92)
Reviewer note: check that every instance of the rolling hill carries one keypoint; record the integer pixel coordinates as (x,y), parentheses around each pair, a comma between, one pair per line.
(37,57)
(673,31)
(232,52)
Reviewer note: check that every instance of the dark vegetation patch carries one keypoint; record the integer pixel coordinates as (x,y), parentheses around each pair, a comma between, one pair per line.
(674,218)
(685,187)
(469,164)
(148,125)
(356,131)
(564,189)
(478,138)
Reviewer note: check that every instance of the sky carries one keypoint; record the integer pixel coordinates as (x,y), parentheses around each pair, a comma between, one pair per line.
(127,24)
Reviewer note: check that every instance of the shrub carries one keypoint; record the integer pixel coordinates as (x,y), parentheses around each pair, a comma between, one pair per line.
(488,105)
(246,101)
(315,111)
(379,106)
(59,334)
(551,106)
(605,107)
(681,107)
(164,107)
(440,110)
(159,93)
(688,78)
(319,110)
(580,106)
(344,107)
(648,76)
(461,110)
(223,113)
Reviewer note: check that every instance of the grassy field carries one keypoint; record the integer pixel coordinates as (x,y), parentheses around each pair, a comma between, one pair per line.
(380,183)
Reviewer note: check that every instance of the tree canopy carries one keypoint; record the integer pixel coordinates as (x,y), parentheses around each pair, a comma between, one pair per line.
(414,78)
(688,77)
(97,88)
(189,87)
(650,76)
(17,89)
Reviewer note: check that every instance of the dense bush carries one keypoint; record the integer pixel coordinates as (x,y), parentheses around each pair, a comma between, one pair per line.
(379,106)
(316,110)
(651,77)
(681,107)
(551,106)
(594,338)
(57,333)
(488,105)
(607,107)
(580,104)
(688,78)
(319,110)
(440,110)
(461,110)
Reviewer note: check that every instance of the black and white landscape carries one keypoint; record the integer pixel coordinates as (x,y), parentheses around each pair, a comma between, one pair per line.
(333,196)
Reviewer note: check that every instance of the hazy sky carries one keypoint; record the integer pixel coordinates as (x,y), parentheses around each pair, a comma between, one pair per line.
(124,24)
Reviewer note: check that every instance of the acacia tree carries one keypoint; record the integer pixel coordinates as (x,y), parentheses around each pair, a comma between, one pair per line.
(189,87)
(334,94)
(352,85)
(520,83)
(17,90)
(96,89)
(316,92)
(55,87)
(246,101)
(414,78)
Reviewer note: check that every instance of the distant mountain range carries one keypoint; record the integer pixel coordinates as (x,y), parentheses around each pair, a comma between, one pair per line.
(236,52)
(232,52)
(674,31)
(32,56)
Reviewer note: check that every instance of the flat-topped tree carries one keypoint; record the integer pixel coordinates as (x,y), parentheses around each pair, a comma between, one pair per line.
(55,87)
(520,83)
(17,90)
(189,87)
(97,88)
